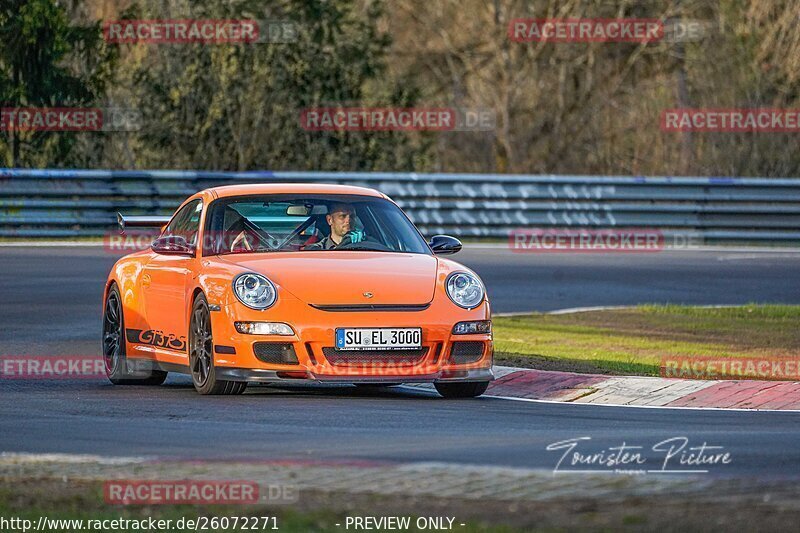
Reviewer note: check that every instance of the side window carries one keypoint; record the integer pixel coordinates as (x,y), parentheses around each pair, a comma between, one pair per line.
(186,222)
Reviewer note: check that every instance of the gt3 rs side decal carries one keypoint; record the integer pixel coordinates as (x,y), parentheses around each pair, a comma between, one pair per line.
(156,338)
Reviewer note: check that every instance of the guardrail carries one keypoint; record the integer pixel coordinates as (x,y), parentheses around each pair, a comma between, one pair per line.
(73,203)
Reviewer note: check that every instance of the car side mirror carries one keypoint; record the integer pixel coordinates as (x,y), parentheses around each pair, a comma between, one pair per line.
(444,244)
(172,245)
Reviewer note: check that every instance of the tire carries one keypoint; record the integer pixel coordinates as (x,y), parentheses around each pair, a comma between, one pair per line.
(471,389)
(201,354)
(114,356)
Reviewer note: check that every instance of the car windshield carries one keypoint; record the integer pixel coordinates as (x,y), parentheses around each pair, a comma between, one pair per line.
(309,223)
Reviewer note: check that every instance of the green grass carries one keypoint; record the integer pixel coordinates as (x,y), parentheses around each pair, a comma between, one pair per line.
(30,499)
(633,341)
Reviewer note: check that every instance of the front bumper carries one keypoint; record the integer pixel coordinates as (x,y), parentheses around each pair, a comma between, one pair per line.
(270,376)
(314,338)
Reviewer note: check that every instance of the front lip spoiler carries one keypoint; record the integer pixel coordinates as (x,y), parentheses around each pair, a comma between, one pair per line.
(475,374)
(271,376)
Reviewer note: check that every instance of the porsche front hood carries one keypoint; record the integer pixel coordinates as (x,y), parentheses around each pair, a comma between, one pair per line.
(347,277)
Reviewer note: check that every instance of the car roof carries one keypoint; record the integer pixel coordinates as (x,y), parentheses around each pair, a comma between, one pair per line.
(289,188)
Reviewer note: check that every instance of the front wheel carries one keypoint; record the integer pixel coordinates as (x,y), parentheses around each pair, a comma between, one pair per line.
(201,354)
(471,389)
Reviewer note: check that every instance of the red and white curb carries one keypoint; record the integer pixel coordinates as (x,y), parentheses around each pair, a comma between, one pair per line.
(633,391)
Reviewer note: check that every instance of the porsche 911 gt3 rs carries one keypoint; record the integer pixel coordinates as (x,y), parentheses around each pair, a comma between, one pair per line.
(292,282)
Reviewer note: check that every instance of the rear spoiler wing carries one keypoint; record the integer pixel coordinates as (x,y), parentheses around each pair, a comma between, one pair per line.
(141,221)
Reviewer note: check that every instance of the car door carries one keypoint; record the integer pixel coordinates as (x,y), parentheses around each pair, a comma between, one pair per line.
(165,282)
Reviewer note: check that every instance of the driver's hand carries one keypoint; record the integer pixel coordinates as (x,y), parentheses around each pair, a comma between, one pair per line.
(354,236)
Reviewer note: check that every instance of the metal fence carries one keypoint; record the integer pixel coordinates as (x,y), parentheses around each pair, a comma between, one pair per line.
(73,203)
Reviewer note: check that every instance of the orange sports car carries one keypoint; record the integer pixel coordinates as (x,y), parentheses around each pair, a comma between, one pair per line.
(291,282)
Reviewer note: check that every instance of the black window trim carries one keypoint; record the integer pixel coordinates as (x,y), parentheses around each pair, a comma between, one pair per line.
(185,205)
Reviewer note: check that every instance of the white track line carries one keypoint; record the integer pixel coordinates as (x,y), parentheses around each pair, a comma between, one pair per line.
(50,244)
(27,457)
(571,310)
(737,409)
(533,400)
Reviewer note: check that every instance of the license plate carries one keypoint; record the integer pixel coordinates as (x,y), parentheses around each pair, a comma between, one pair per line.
(378,338)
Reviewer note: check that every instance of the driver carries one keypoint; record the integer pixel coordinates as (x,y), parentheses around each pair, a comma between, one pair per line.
(341,219)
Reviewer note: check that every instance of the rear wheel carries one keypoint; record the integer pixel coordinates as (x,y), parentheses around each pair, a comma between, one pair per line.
(114,347)
(201,354)
(471,389)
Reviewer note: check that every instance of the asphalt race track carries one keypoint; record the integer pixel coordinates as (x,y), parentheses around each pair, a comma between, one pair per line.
(51,305)
(62,287)
(323,423)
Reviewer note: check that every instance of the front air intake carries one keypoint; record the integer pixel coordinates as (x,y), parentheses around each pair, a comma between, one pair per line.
(464,352)
(374,357)
(275,353)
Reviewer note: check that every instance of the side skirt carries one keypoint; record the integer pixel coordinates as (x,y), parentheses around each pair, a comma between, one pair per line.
(137,365)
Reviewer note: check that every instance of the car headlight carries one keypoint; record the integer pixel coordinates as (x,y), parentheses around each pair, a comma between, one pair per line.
(254,290)
(469,328)
(464,289)
(264,328)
